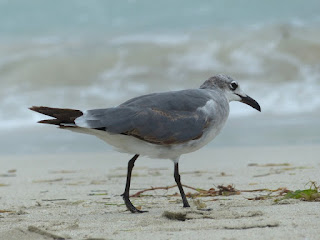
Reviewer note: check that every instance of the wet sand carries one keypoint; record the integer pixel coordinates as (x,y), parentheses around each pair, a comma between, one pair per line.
(77,196)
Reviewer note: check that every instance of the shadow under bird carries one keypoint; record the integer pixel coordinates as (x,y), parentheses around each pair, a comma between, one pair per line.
(158,125)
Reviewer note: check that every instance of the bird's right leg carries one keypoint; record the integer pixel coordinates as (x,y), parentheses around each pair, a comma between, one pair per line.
(125,195)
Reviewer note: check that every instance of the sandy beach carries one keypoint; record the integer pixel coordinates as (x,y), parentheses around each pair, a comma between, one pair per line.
(77,196)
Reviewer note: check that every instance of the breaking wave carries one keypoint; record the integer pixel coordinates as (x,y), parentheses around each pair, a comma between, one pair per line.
(277,64)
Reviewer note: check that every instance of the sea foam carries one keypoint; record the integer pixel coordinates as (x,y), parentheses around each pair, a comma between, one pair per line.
(276,64)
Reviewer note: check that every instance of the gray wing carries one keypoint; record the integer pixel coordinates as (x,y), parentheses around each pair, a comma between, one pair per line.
(185,100)
(156,118)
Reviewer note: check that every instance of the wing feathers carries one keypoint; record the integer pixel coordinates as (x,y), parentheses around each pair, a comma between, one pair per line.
(149,124)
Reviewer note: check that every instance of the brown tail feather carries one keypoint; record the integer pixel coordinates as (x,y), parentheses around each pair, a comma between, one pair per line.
(61,115)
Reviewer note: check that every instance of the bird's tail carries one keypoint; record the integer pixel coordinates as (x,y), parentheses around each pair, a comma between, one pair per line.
(62,116)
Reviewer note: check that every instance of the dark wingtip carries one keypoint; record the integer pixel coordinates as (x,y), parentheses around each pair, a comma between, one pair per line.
(36,108)
(50,121)
(61,115)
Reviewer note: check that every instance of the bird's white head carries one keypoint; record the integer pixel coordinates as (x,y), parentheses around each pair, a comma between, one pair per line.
(231,89)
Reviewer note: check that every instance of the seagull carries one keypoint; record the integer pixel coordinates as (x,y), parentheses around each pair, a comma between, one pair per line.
(158,125)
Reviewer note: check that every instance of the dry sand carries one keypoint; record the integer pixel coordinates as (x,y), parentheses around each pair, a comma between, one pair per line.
(77,196)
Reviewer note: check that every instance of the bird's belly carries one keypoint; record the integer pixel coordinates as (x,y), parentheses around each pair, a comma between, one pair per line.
(131,145)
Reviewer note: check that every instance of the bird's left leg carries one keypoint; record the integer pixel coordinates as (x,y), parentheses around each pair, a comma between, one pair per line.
(125,195)
(177,179)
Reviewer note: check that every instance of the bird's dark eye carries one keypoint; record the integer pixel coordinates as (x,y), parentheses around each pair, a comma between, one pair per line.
(233,85)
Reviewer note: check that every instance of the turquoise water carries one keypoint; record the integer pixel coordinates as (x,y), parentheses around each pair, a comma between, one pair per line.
(94,54)
(38,18)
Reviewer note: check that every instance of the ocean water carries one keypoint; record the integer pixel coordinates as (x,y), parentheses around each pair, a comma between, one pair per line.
(94,54)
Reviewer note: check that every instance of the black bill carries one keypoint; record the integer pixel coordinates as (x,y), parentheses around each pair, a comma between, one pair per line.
(251,102)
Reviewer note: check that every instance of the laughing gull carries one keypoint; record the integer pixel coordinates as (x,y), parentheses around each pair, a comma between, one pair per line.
(158,125)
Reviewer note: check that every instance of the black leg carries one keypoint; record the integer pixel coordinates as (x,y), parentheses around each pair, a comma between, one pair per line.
(125,195)
(177,179)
